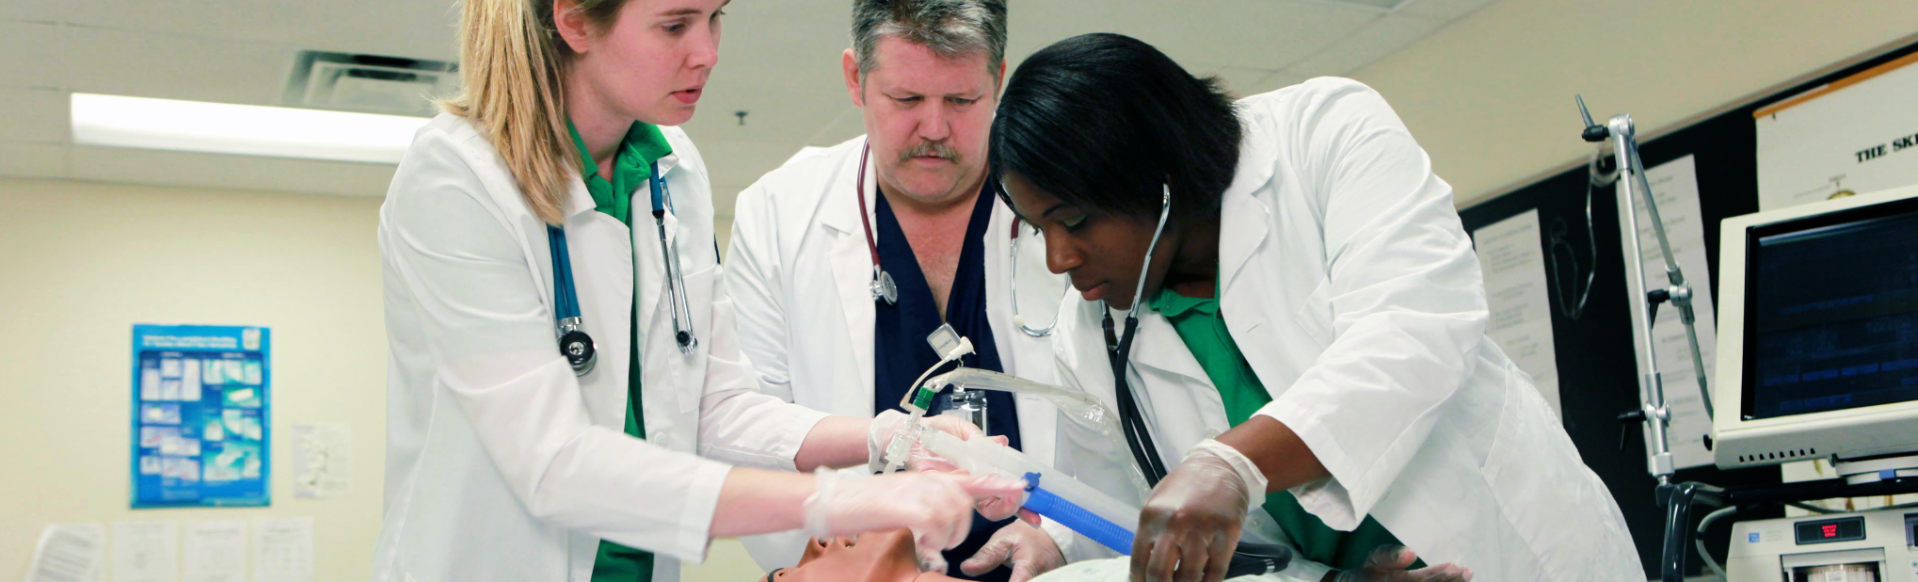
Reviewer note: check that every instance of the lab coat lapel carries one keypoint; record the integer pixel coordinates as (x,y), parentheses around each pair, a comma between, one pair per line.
(1166,369)
(1244,219)
(603,274)
(1245,224)
(852,273)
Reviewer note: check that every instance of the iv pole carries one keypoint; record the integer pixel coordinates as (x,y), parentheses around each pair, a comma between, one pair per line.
(1653,409)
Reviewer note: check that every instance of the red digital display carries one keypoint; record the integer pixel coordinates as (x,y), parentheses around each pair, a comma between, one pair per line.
(1829,530)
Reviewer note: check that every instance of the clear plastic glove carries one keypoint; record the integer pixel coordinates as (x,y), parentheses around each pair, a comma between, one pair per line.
(1389,563)
(1190,523)
(929,559)
(1028,550)
(937,507)
(889,423)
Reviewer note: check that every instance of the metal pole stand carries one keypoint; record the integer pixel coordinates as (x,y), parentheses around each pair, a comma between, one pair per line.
(1653,409)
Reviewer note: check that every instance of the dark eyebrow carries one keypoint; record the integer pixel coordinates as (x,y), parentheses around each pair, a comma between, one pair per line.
(1049,211)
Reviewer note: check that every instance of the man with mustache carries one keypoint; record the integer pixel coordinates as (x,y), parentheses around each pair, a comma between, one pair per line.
(843,261)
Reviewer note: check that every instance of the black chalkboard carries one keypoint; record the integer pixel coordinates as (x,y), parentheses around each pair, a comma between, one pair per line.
(1596,365)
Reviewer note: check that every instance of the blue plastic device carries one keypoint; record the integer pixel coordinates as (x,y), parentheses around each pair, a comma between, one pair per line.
(1092,526)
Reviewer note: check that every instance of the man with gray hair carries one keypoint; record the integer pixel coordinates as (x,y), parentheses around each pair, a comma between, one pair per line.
(844,261)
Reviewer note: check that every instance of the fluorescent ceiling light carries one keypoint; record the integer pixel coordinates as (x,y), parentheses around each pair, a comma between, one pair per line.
(194,126)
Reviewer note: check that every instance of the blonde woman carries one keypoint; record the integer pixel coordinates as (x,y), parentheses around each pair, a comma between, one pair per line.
(554,208)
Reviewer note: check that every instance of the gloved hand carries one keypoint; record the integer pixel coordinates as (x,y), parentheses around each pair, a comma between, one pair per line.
(937,507)
(889,423)
(1389,563)
(1028,550)
(1192,519)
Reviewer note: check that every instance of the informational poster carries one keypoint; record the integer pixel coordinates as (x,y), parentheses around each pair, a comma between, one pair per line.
(200,416)
(283,550)
(69,553)
(322,460)
(1675,188)
(146,551)
(1857,135)
(213,551)
(1511,254)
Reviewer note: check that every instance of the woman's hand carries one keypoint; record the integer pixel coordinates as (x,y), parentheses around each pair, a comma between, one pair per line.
(1191,522)
(937,507)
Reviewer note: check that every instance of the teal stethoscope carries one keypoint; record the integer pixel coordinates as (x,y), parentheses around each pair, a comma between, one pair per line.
(574,344)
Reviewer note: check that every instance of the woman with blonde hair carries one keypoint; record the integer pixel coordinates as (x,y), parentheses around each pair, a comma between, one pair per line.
(555,214)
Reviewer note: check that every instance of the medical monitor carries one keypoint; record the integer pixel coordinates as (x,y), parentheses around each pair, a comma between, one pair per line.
(1818,332)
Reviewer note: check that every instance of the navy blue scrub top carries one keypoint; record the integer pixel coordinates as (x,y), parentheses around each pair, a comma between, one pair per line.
(901,354)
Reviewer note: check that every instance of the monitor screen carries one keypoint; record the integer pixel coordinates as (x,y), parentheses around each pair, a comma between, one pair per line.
(1831,316)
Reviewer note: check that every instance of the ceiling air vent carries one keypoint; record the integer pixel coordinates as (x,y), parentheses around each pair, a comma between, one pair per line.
(369,83)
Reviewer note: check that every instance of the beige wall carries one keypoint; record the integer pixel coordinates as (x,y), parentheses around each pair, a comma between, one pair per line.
(1491,95)
(81,262)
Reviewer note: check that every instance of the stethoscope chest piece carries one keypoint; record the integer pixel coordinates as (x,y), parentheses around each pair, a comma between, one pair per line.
(578,349)
(883,288)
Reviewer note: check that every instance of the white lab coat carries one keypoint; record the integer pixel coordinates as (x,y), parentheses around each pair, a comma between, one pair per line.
(1353,292)
(503,465)
(798,273)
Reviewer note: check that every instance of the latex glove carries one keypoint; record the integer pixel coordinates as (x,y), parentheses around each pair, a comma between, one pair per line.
(1028,550)
(1191,521)
(1389,563)
(937,507)
(888,424)
(929,559)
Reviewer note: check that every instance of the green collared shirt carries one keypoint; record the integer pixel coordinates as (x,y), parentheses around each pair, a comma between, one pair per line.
(632,169)
(1202,328)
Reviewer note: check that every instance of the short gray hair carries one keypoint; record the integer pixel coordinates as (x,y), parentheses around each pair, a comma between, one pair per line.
(951,28)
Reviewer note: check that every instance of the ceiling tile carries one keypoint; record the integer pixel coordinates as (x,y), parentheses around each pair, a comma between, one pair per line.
(1376,40)
(33,55)
(1442,9)
(231,172)
(34,115)
(1255,34)
(31,160)
(33,10)
(143,64)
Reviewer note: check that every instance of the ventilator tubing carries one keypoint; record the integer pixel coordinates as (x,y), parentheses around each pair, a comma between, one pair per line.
(1062,498)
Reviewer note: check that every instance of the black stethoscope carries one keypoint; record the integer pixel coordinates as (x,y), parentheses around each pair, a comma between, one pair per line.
(1119,353)
(1249,558)
(574,343)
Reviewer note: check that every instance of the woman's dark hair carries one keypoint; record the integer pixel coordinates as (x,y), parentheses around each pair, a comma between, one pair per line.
(1102,120)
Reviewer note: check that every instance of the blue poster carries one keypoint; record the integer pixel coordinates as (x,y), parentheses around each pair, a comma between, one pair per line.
(200,416)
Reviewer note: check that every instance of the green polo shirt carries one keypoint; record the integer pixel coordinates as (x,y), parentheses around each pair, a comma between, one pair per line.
(632,168)
(1202,328)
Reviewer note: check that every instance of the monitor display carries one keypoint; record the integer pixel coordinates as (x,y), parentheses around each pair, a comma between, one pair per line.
(1831,321)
